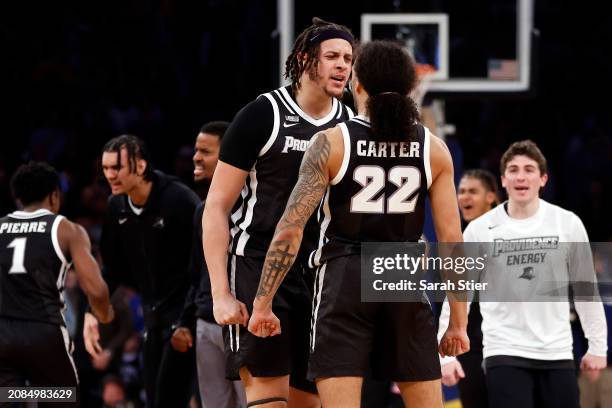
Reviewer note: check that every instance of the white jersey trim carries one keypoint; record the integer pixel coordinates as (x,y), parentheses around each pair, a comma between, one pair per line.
(426,155)
(316,255)
(237,215)
(350,112)
(320,278)
(67,343)
(275,127)
(61,277)
(61,281)
(235,327)
(339,112)
(283,101)
(362,120)
(25,215)
(55,239)
(244,237)
(317,122)
(347,154)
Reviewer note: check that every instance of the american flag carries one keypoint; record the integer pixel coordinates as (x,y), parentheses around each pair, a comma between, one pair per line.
(503,69)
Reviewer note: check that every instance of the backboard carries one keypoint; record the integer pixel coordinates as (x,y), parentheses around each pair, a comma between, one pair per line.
(498,61)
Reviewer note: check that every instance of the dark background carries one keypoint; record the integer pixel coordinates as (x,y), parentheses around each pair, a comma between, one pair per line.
(76,73)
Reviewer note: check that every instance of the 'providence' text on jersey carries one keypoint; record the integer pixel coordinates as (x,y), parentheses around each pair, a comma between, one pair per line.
(274,174)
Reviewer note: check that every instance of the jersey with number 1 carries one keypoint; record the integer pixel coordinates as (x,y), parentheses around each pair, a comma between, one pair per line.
(32,267)
(378,194)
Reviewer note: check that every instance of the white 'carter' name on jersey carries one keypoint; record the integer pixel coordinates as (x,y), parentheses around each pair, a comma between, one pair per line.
(294,144)
(23,227)
(387,149)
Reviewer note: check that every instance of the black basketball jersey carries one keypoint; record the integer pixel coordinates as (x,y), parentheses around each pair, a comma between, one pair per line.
(274,174)
(378,194)
(32,267)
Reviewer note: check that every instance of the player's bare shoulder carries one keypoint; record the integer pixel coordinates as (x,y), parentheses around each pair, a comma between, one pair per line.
(333,134)
(333,138)
(70,233)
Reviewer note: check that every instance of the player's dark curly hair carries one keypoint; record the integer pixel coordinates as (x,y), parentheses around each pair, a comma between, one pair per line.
(136,149)
(305,53)
(387,72)
(33,182)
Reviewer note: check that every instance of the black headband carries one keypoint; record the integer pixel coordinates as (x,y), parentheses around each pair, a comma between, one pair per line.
(329,33)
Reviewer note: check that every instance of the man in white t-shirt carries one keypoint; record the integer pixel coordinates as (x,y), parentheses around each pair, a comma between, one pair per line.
(528,345)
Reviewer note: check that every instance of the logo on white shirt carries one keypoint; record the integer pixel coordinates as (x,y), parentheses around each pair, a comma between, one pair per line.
(527,273)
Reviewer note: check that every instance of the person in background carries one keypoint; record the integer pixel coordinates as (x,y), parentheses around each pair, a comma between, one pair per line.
(477,194)
(146,243)
(197,320)
(37,245)
(528,345)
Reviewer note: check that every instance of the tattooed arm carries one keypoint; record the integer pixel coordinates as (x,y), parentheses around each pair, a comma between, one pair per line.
(312,182)
(305,198)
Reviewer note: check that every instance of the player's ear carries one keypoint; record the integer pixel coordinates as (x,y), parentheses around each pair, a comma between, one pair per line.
(54,200)
(141,166)
(358,87)
(543,180)
(490,197)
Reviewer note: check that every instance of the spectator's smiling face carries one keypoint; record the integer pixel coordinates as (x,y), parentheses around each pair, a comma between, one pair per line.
(474,199)
(522,179)
(205,156)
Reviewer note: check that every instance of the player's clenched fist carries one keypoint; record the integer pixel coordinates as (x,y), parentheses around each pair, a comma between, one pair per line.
(228,310)
(264,323)
(454,342)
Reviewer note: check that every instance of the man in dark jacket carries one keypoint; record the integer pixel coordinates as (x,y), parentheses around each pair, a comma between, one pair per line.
(146,242)
(197,320)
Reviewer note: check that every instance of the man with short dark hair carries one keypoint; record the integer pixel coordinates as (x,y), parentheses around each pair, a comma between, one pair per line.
(146,242)
(527,345)
(36,248)
(197,318)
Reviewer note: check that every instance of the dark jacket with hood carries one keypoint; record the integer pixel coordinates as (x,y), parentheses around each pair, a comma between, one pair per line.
(150,251)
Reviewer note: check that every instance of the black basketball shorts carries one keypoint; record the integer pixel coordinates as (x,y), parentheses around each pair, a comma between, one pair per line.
(36,352)
(286,353)
(397,340)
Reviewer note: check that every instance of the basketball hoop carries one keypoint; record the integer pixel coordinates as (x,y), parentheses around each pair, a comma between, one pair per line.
(424,73)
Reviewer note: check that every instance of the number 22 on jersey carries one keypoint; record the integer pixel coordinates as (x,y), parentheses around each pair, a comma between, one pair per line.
(373,179)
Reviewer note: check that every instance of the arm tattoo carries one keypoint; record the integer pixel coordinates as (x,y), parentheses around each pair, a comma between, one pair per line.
(311,185)
(304,199)
(278,262)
